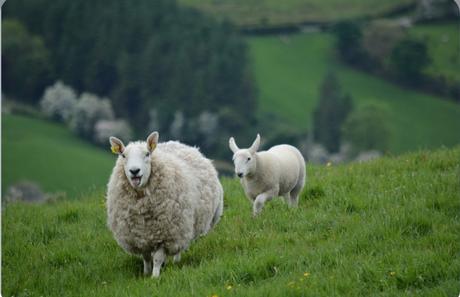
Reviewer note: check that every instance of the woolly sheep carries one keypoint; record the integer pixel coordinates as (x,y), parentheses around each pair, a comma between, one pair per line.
(280,171)
(160,198)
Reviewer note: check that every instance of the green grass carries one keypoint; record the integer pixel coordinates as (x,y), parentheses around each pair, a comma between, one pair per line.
(48,153)
(267,13)
(385,228)
(443,42)
(289,70)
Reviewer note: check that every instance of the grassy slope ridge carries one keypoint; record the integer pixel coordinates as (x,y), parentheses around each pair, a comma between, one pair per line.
(267,13)
(386,228)
(290,69)
(49,154)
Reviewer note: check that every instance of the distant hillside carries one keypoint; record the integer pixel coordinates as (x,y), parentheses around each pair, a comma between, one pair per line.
(47,153)
(384,228)
(289,70)
(272,13)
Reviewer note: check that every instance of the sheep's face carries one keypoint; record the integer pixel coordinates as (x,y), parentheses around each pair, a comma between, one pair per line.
(136,159)
(244,159)
(137,164)
(245,163)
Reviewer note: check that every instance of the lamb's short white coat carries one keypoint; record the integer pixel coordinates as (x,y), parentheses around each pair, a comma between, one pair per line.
(279,171)
(160,198)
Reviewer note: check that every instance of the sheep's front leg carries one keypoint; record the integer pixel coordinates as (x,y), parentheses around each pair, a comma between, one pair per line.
(147,263)
(159,258)
(260,201)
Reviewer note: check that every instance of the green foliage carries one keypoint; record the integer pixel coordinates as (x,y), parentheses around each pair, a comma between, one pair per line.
(26,62)
(49,154)
(408,60)
(386,228)
(367,128)
(143,55)
(289,71)
(349,43)
(332,110)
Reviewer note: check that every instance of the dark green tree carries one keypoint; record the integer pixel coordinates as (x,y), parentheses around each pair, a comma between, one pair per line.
(367,128)
(348,43)
(330,113)
(26,63)
(408,60)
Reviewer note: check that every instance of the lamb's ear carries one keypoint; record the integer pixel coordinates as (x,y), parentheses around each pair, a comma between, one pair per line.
(232,145)
(255,145)
(152,141)
(117,145)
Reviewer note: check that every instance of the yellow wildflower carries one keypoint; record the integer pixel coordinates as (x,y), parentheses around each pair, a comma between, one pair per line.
(329,164)
(392,273)
(306,274)
(229,287)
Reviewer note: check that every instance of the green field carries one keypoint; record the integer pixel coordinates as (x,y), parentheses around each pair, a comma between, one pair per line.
(443,42)
(267,13)
(385,228)
(289,70)
(48,153)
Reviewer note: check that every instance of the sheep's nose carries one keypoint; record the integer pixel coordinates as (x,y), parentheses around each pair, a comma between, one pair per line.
(134,171)
(240,175)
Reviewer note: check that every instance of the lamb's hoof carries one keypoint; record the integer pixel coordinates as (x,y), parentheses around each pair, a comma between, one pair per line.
(176,258)
(156,273)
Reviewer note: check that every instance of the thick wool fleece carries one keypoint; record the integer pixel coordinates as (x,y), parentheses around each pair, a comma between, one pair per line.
(182,200)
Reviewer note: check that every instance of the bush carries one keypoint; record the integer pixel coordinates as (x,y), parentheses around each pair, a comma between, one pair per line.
(106,128)
(58,102)
(89,110)
(367,129)
(408,60)
(348,43)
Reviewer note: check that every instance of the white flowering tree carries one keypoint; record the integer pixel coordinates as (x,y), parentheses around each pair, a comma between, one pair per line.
(58,102)
(89,110)
(106,128)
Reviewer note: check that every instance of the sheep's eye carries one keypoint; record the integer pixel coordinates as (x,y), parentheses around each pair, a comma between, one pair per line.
(249,159)
(123,155)
(148,154)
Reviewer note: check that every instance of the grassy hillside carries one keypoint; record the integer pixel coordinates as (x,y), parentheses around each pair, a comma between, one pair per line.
(290,69)
(386,228)
(444,48)
(49,154)
(266,13)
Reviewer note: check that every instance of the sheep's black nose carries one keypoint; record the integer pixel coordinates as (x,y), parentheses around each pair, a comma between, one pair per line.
(134,171)
(240,175)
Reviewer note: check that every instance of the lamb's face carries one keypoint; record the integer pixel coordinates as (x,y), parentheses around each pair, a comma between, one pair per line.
(137,164)
(244,159)
(135,158)
(245,163)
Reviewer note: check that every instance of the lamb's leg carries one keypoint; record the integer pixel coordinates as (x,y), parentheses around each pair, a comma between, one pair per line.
(296,192)
(287,199)
(147,263)
(159,258)
(176,258)
(260,201)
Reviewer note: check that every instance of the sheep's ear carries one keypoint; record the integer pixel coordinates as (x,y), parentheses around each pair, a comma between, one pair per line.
(255,146)
(152,141)
(232,145)
(117,145)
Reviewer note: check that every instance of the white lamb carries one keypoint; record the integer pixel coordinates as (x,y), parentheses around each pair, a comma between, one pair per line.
(280,171)
(161,198)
